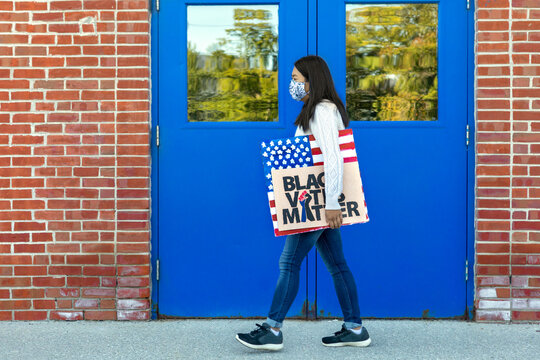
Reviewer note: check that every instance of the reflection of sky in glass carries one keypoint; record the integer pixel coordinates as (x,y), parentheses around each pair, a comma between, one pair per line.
(349,7)
(206,24)
(355,17)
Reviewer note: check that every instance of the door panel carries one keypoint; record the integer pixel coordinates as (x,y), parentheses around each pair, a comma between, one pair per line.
(218,255)
(409,259)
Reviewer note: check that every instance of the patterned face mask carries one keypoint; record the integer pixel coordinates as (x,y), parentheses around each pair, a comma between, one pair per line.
(297,90)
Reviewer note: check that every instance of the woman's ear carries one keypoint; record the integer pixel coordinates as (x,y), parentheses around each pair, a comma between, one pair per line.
(306,86)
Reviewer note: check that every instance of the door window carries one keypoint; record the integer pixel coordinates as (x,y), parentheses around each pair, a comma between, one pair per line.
(391,61)
(232,62)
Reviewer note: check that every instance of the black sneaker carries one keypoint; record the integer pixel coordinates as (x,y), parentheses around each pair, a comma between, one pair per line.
(346,337)
(262,338)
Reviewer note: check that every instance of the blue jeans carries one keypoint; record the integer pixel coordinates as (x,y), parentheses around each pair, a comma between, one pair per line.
(329,246)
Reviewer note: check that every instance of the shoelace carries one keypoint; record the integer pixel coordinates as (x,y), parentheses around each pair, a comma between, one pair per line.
(343,330)
(259,329)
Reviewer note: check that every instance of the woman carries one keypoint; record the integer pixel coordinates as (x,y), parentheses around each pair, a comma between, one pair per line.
(322,115)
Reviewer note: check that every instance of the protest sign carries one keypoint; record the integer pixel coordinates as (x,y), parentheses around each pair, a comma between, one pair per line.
(300,198)
(294,172)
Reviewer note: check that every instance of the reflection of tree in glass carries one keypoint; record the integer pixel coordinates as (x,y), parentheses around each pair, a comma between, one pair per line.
(392,62)
(238,80)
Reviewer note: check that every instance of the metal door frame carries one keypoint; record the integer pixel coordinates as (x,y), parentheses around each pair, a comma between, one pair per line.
(312,49)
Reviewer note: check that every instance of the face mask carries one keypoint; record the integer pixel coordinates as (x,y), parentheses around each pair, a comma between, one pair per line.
(297,90)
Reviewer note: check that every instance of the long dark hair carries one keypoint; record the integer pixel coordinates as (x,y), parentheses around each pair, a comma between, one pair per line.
(321,86)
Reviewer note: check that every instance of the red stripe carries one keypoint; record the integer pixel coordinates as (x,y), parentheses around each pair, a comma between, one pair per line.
(272,203)
(340,134)
(297,231)
(345,160)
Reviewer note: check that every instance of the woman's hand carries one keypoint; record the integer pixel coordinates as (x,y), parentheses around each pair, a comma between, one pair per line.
(334,218)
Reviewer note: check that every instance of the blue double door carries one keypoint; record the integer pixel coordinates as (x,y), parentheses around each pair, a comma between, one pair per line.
(214,240)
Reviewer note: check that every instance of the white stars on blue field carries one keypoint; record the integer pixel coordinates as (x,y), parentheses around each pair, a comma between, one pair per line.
(285,153)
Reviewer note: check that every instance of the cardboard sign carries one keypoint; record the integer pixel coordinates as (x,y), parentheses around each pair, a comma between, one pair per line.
(300,197)
(294,181)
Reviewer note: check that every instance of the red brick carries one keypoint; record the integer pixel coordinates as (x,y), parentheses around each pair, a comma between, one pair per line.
(66,315)
(44,304)
(100,315)
(525,3)
(66,5)
(49,281)
(492,25)
(30,315)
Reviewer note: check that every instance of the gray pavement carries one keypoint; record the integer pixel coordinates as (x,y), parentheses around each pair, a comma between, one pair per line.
(214,339)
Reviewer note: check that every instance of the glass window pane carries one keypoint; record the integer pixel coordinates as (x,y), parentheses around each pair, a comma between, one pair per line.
(391,61)
(232,62)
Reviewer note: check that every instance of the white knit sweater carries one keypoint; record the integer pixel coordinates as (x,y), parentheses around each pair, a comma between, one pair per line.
(324,125)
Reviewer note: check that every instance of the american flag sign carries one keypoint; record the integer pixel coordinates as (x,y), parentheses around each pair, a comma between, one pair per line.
(304,152)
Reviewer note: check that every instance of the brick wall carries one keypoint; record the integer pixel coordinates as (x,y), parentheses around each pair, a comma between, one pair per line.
(74,159)
(508,161)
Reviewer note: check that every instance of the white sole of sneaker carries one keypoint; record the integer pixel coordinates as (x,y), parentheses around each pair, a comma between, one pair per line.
(356,343)
(273,347)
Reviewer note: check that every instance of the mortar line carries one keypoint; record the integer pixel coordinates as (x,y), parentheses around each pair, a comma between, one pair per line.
(116,159)
(510,51)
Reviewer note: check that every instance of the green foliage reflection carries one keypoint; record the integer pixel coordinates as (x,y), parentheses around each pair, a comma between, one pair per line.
(392,62)
(236,80)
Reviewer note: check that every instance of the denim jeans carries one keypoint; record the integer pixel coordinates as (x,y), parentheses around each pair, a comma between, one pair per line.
(329,246)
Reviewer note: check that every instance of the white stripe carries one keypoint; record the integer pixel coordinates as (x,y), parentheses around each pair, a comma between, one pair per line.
(273,210)
(348,153)
(346,139)
(270,196)
(344,153)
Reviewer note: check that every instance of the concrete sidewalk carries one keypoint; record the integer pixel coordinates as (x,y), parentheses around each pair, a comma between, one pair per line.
(214,339)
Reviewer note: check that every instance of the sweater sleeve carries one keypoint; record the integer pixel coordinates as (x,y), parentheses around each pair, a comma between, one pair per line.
(324,129)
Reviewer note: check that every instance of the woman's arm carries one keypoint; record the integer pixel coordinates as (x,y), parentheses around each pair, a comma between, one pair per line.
(324,129)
